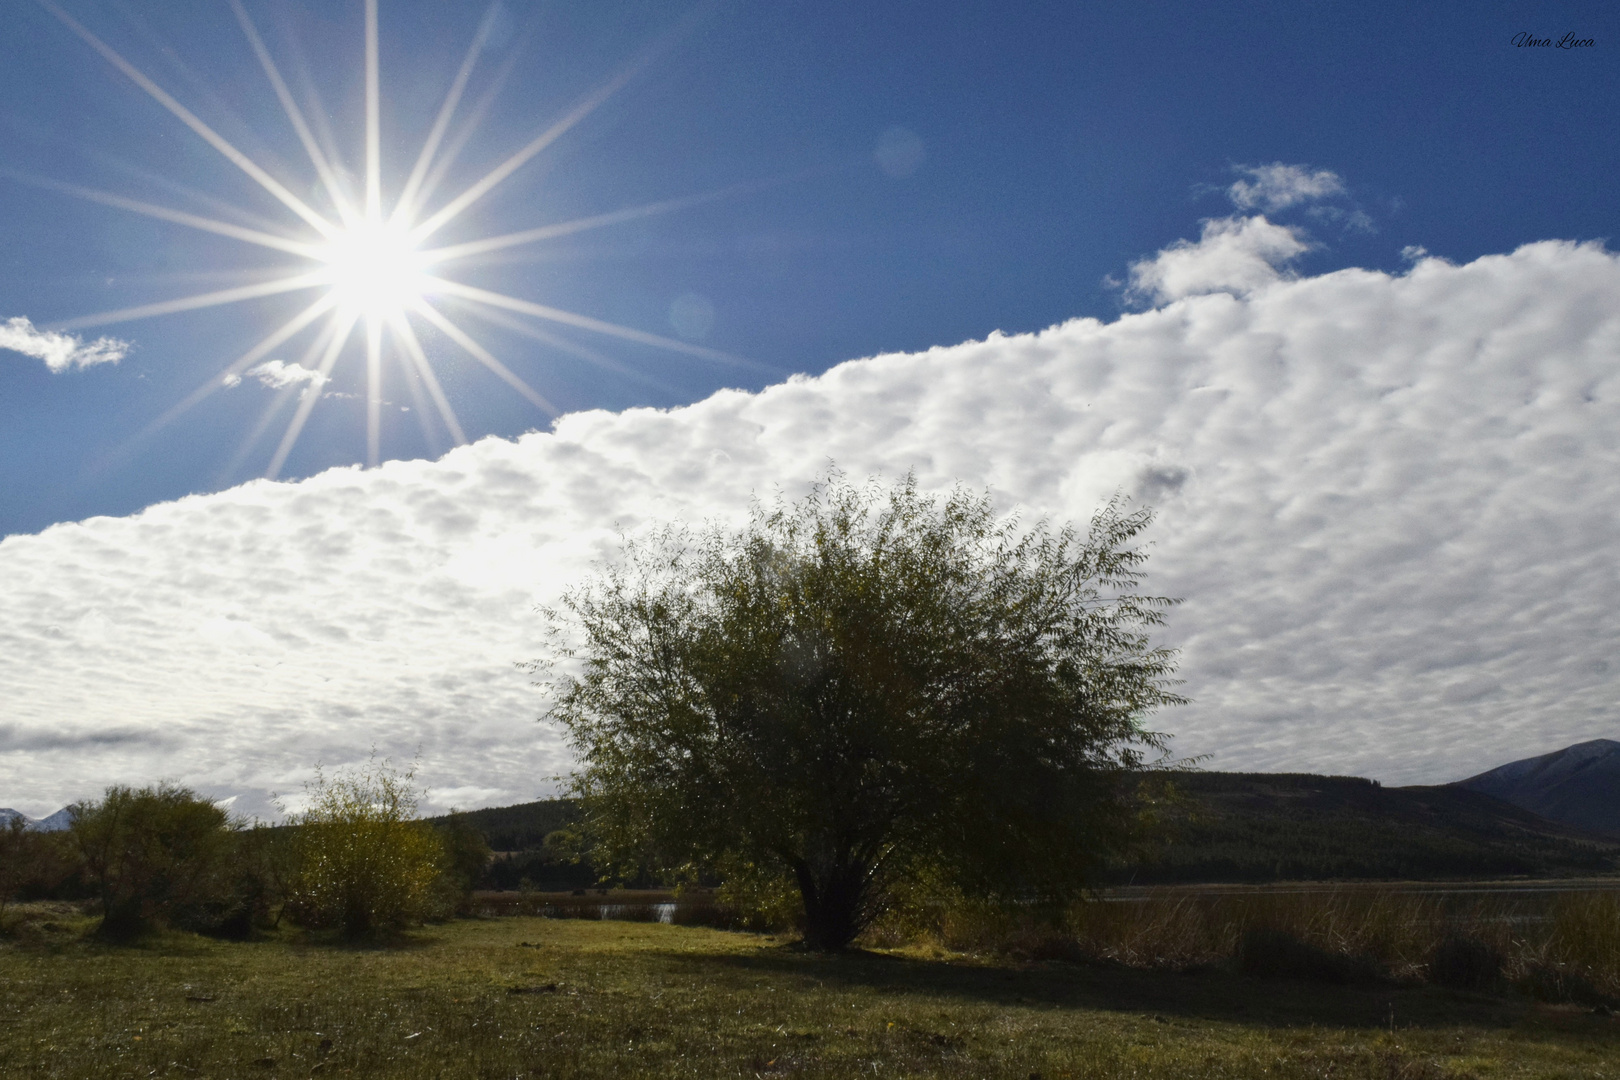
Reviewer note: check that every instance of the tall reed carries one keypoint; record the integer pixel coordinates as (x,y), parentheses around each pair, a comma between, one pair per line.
(1560,945)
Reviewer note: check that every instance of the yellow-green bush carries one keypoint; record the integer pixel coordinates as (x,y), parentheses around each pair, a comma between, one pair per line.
(365,864)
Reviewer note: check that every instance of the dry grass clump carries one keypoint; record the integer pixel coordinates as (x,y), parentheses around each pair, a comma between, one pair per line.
(1578,957)
(42,922)
(1554,946)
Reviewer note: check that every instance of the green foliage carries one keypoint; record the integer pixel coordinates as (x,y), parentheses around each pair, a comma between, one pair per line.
(156,856)
(365,865)
(864,687)
(537,842)
(523,827)
(31,863)
(756,897)
(466,856)
(264,872)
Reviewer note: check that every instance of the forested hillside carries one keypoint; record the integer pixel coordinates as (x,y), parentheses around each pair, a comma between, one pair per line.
(1253,827)
(1235,827)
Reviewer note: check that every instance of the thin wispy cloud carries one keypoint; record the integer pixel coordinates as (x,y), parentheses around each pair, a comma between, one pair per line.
(1277,186)
(59,351)
(1320,194)
(279,376)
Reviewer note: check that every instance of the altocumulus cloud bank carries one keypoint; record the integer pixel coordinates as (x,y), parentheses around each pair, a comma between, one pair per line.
(1389,502)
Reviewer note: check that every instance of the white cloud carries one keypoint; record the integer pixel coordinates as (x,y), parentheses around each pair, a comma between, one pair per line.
(1390,502)
(1233,255)
(59,351)
(1277,186)
(278,376)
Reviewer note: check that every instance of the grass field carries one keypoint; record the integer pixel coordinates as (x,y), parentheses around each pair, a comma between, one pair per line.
(520,997)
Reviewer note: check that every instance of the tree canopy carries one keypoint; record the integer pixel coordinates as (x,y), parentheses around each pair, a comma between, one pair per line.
(862,687)
(156,855)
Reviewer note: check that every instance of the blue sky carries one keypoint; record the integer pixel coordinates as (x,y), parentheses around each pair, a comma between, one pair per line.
(1043,147)
(1333,288)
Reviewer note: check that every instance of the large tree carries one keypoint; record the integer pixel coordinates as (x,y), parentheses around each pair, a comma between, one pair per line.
(862,686)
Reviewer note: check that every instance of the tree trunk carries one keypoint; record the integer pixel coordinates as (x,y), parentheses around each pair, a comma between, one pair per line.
(835,908)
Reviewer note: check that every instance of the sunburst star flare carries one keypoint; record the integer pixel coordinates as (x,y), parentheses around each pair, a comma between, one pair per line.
(366,256)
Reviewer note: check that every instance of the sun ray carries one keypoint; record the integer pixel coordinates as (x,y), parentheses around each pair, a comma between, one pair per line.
(214,383)
(189,78)
(506,322)
(373,118)
(374,329)
(209,135)
(285,332)
(260,426)
(320,124)
(285,394)
(469,127)
(192,303)
(585,322)
(566,228)
(368,260)
(413,383)
(179,217)
(455,207)
(323,167)
(344,326)
(221,208)
(580,111)
(483,356)
(405,209)
(406,336)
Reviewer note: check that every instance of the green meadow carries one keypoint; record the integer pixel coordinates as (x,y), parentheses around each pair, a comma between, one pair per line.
(526,997)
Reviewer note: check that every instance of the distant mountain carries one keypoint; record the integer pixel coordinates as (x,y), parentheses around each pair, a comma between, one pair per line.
(54,823)
(1578,785)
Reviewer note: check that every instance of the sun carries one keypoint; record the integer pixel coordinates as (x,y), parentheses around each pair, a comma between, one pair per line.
(368,257)
(375,270)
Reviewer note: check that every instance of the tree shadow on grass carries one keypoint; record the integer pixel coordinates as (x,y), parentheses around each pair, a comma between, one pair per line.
(335,941)
(1212,994)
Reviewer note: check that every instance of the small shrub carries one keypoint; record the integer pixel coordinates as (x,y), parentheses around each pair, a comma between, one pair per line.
(365,864)
(1465,963)
(156,856)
